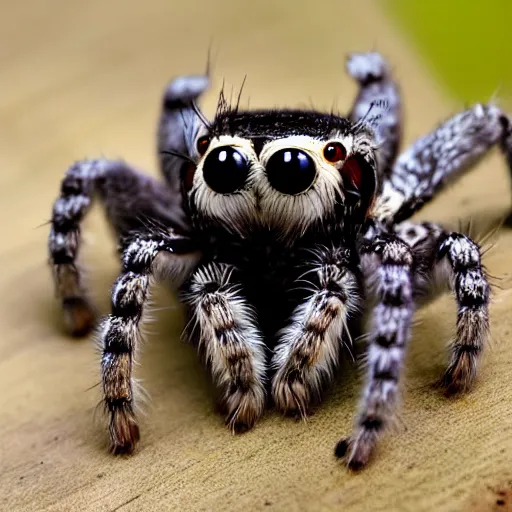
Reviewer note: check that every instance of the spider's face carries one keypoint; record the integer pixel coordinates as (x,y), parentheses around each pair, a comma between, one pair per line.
(281,170)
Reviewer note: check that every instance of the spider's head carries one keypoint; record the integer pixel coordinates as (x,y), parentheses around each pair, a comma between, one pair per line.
(284,170)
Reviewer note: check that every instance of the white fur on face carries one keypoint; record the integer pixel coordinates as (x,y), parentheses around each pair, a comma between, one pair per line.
(295,213)
(259,204)
(238,209)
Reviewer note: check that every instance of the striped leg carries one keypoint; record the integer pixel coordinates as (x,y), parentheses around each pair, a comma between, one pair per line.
(159,254)
(438,158)
(387,262)
(225,326)
(129,198)
(378,101)
(308,349)
(453,261)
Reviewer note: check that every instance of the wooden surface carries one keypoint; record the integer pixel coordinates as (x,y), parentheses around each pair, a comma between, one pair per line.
(84,79)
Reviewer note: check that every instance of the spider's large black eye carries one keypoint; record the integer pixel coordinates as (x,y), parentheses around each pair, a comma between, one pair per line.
(291,171)
(225,170)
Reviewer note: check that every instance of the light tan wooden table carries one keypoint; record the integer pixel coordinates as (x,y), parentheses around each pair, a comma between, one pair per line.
(84,79)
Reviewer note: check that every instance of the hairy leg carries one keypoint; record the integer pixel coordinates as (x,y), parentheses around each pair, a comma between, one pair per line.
(432,161)
(387,264)
(130,199)
(157,254)
(178,127)
(378,101)
(308,349)
(452,261)
(224,324)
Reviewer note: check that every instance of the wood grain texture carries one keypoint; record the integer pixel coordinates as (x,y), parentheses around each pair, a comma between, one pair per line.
(84,79)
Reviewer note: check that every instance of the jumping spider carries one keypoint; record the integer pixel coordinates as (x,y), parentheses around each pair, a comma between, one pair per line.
(281,227)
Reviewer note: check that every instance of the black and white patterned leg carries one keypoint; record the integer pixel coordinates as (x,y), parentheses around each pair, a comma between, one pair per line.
(225,326)
(460,257)
(452,261)
(437,158)
(161,254)
(129,197)
(387,263)
(308,349)
(378,101)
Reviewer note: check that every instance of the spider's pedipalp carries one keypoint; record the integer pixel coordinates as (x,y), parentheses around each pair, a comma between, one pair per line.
(224,324)
(441,156)
(391,261)
(129,198)
(308,349)
(144,257)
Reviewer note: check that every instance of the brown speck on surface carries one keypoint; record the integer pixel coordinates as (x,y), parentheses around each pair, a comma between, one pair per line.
(494,498)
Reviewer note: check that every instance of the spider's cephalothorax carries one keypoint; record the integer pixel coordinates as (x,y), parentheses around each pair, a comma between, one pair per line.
(282,172)
(281,228)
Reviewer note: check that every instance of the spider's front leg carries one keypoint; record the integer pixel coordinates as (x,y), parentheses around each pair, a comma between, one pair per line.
(158,254)
(308,349)
(224,324)
(440,157)
(178,126)
(378,103)
(453,261)
(387,264)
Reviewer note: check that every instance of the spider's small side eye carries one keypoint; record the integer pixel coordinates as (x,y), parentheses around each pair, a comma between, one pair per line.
(202,144)
(335,152)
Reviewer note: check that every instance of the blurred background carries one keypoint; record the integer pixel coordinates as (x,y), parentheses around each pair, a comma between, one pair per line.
(84,79)
(464,44)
